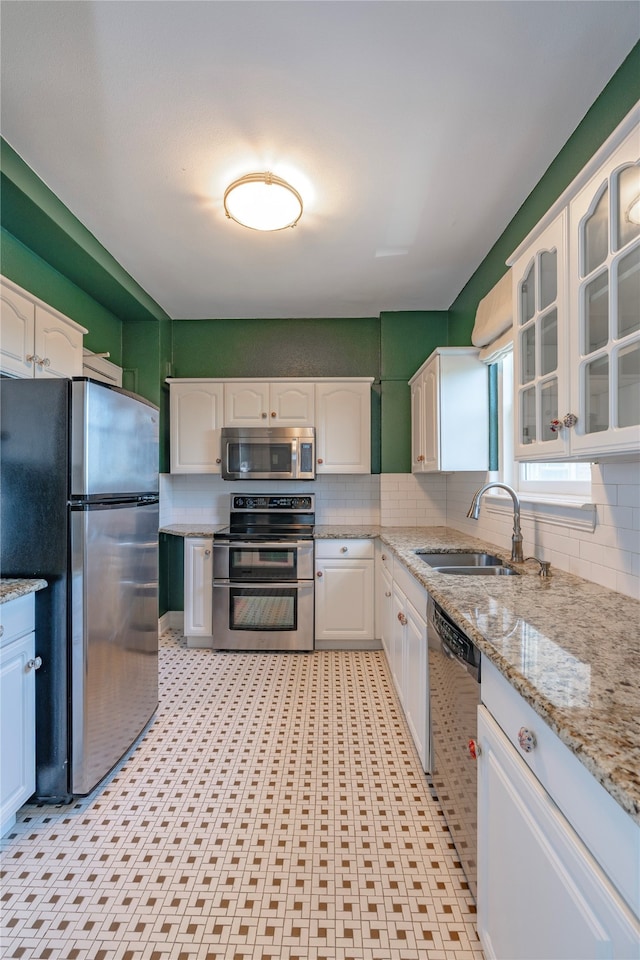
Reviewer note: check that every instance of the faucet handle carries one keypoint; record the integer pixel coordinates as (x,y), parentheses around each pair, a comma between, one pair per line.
(545,566)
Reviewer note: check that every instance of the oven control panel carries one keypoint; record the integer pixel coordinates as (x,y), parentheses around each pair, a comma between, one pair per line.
(272,502)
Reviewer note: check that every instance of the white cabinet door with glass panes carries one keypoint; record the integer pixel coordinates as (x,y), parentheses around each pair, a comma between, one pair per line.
(605,306)
(541,388)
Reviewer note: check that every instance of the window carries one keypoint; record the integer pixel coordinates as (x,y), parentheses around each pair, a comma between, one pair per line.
(555,480)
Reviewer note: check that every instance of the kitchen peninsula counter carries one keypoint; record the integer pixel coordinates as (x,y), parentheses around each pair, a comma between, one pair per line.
(11,589)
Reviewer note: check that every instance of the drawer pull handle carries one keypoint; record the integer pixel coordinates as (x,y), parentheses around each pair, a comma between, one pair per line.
(344,549)
(526,739)
(34,664)
(474,749)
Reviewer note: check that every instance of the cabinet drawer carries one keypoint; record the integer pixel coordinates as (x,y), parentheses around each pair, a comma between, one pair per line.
(412,590)
(604,827)
(17,617)
(384,557)
(345,549)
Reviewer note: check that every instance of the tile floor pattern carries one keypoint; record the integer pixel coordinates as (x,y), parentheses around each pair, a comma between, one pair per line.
(274,810)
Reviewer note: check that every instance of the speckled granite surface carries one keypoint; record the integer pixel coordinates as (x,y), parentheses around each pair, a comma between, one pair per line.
(12,589)
(191,529)
(570,647)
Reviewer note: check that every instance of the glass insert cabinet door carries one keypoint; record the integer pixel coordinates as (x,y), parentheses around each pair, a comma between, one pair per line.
(605,305)
(540,310)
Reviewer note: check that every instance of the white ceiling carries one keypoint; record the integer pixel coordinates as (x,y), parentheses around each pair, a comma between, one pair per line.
(414,131)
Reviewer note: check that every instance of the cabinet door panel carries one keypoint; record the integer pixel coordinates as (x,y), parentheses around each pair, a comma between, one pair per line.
(344,600)
(17,325)
(292,404)
(198,587)
(196,420)
(246,404)
(58,345)
(17,727)
(343,427)
(540,893)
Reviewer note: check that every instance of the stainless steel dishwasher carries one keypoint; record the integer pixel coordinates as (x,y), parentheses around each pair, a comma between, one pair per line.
(454,681)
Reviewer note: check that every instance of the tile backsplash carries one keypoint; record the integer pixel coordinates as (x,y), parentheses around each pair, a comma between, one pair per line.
(609,554)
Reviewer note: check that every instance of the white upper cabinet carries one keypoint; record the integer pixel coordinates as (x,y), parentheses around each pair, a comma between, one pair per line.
(450,412)
(540,346)
(196,421)
(605,304)
(577,314)
(254,403)
(35,340)
(340,410)
(343,426)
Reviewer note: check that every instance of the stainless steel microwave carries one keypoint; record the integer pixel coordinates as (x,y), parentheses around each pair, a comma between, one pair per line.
(268,453)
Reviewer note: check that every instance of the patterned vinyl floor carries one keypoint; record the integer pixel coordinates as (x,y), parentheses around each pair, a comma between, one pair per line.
(274,810)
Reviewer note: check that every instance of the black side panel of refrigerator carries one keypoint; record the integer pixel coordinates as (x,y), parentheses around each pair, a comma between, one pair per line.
(34,542)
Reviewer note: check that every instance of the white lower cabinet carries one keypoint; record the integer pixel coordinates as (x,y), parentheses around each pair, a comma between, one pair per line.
(344,592)
(384,597)
(542,895)
(17,707)
(198,591)
(408,657)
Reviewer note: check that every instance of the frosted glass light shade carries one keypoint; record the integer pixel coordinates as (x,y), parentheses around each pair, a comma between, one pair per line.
(262,201)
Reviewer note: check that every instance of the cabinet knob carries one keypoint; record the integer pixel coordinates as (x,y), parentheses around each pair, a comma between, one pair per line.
(264,415)
(420,458)
(384,556)
(320,460)
(569,420)
(526,739)
(273,413)
(344,549)
(319,573)
(387,593)
(402,619)
(474,749)
(44,362)
(207,553)
(34,664)
(218,459)
(32,358)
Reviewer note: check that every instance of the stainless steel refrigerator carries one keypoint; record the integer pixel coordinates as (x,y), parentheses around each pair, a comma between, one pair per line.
(79,507)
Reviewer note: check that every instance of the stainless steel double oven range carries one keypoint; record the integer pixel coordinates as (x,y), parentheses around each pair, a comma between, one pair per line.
(263,574)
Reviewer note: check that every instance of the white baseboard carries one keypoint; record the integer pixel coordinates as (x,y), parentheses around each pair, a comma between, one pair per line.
(171,620)
(348,645)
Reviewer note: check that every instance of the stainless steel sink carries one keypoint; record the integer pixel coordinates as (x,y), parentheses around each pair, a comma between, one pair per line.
(467,564)
(461,559)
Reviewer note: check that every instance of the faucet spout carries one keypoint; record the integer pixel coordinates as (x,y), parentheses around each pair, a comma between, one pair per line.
(516,539)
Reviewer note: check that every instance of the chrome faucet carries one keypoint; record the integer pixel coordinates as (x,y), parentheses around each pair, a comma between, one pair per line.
(474,512)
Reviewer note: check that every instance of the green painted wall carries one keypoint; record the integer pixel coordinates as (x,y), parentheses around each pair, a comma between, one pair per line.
(613,104)
(406,340)
(277,348)
(31,272)
(171,587)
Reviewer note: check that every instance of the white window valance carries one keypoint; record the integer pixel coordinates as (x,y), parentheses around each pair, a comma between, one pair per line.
(493,329)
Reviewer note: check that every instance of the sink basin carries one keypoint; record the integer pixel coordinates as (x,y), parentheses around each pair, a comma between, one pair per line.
(461,559)
(468,564)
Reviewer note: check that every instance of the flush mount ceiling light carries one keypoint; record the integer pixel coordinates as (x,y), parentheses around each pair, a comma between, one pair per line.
(262,201)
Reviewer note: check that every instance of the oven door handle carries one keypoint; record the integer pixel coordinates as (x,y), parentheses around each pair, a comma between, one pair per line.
(265,544)
(262,584)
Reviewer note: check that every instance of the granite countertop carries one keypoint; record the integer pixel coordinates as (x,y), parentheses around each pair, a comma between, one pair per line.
(192,529)
(571,648)
(12,589)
